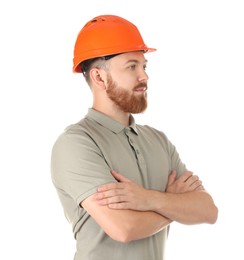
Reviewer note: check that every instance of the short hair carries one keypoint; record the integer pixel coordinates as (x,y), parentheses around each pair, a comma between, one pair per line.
(98,62)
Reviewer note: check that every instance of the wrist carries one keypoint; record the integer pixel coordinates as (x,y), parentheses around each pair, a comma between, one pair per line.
(156,201)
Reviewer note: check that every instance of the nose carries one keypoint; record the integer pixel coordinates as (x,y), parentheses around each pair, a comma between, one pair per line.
(143,77)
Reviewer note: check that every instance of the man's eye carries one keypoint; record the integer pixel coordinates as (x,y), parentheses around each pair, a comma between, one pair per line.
(132,67)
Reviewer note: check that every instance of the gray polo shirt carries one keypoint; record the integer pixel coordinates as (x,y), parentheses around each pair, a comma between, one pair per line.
(82,159)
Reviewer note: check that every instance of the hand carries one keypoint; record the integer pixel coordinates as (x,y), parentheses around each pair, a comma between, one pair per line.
(124,194)
(186,182)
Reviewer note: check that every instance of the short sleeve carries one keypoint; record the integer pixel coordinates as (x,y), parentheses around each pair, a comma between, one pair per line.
(176,163)
(78,166)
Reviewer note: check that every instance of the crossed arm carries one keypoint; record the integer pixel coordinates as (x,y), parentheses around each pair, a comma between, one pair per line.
(127,211)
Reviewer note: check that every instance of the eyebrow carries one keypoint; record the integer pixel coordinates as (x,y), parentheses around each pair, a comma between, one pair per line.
(135,61)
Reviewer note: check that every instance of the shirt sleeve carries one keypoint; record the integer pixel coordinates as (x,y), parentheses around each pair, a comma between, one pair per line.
(78,166)
(176,163)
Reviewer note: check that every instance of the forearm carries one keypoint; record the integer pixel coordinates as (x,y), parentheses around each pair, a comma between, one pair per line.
(192,207)
(144,224)
(184,201)
(125,225)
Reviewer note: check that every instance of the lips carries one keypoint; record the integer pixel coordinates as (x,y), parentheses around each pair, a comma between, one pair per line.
(140,88)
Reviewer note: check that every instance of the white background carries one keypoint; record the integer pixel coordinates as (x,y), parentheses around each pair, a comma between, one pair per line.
(195,97)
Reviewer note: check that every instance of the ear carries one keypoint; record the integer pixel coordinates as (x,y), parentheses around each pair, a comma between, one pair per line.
(98,77)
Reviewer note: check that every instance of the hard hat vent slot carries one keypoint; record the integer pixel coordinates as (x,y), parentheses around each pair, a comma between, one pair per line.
(97,20)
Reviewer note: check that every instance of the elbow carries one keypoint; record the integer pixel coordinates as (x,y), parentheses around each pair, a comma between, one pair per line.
(125,238)
(122,234)
(211,211)
(214,215)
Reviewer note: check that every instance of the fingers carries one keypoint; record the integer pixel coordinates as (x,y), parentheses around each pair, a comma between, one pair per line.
(186,182)
(194,183)
(119,177)
(110,189)
(120,205)
(185,176)
(122,195)
(114,204)
(197,184)
(110,201)
(113,195)
(110,186)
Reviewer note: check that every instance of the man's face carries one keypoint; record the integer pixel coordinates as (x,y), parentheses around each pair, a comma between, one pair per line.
(127,82)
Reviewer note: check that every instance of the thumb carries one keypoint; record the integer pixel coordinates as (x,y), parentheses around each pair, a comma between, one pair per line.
(119,177)
(172,177)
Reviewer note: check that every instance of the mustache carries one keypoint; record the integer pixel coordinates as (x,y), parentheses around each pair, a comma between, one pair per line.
(140,85)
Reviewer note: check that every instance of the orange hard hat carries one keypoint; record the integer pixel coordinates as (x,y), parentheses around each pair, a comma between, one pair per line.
(106,35)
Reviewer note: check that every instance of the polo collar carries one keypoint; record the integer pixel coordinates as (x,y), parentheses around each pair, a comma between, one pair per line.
(110,123)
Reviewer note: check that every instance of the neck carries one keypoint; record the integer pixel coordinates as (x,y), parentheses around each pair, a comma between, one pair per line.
(113,112)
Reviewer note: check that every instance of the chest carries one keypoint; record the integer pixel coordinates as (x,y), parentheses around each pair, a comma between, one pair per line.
(139,158)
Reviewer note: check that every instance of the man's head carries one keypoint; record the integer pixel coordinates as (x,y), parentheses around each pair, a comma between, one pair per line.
(109,51)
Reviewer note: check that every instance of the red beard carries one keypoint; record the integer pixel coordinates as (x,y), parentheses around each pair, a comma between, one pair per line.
(125,100)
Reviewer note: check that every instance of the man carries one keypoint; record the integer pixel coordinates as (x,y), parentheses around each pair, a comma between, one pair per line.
(121,184)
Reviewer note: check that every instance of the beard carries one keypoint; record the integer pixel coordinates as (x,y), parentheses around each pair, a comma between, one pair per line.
(127,102)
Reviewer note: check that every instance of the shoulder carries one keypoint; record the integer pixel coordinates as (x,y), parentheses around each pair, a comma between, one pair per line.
(151,131)
(75,136)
